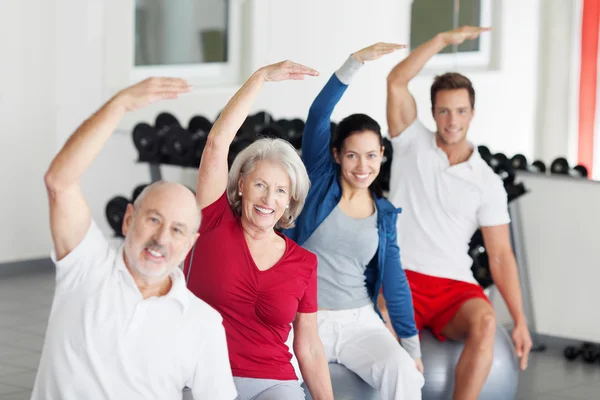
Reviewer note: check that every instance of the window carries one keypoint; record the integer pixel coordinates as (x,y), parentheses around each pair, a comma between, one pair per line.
(187,38)
(429,17)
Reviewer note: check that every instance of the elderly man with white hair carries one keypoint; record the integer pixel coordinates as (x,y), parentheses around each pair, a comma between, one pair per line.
(123,324)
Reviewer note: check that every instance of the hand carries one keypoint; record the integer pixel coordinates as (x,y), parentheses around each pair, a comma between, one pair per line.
(523,343)
(150,91)
(459,35)
(286,70)
(419,365)
(376,51)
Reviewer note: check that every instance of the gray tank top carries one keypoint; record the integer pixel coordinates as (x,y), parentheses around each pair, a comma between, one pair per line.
(344,246)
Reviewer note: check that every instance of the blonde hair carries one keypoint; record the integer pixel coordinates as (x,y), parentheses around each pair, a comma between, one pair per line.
(277,151)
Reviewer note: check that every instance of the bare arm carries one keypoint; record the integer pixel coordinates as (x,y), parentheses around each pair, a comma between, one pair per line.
(212,175)
(401,107)
(69,211)
(505,275)
(311,356)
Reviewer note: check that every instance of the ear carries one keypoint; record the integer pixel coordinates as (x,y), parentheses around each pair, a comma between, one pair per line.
(127,219)
(336,155)
(382,151)
(240,184)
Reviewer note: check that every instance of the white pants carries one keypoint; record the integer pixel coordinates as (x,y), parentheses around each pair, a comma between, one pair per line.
(359,340)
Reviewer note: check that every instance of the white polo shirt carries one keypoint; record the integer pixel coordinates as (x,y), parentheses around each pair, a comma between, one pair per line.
(442,205)
(104,341)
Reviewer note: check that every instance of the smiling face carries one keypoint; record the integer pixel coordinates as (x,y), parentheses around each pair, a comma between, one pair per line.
(265,195)
(453,114)
(160,230)
(360,158)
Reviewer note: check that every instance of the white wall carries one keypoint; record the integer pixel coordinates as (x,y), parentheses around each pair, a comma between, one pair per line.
(93,52)
(27,115)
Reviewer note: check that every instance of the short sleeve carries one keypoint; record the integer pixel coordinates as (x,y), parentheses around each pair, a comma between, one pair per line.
(94,251)
(494,207)
(216,213)
(213,377)
(308,302)
(403,142)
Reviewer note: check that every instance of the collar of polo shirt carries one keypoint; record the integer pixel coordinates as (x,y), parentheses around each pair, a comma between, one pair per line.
(178,290)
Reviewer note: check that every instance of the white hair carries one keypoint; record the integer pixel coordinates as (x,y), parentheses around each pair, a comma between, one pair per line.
(277,151)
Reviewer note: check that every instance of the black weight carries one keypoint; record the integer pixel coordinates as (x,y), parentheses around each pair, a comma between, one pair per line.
(115,213)
(580,171)
(180,147)
(199,125)
(519,162)
(481,266)
(273,131)
(137,191)
(296,132)
(255,123)
(571,353)
(146,142)
(505,172)
(165,120)
(560,166)
(386,165)
(589,355)
(538,166)
(484,152)
(240,142)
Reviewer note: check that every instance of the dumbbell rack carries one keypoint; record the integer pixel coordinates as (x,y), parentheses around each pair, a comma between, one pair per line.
(155,173)
(516,233)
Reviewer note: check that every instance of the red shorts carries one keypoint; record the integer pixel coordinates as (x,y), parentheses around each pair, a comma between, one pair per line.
(437,300)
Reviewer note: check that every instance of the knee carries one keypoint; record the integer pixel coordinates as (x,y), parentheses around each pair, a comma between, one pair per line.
(483,330)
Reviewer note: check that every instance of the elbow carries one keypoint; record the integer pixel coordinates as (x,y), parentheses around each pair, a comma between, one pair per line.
(395,80)
(52,181)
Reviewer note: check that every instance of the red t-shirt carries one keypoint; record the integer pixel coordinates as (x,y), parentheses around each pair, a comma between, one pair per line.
(257,306)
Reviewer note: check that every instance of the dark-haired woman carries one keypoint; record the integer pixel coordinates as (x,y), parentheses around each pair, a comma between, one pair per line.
(351,228)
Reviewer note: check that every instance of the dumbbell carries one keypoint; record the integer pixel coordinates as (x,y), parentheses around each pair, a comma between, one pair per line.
(115,213)
(293,131)
(165,125)
(272,130)
(519,162)
(560,166)
(386,164)
(146,142)
(199,127)
(183,145)
(485,153)
(588,351)
(137,191)
(255,123)
(240,142)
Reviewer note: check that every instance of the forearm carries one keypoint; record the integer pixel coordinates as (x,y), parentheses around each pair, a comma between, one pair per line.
(406,70)
(83,146)
(235,112)
(506,277)
(315,371)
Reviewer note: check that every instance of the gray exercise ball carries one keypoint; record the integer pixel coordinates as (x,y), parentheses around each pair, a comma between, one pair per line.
(347,385)
(440,358)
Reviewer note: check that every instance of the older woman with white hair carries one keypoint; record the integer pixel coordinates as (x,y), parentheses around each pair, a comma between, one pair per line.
(259,280)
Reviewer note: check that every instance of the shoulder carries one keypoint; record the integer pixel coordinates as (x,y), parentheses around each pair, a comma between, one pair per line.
(202,312)
(299,254)
(489,181)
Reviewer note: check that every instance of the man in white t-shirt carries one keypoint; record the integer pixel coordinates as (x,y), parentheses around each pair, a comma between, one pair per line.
(123,324)
(446,191)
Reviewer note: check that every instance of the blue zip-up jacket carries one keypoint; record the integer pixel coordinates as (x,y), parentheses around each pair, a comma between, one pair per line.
(324,195)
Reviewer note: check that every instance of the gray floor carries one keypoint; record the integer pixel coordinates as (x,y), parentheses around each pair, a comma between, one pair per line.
(25,300)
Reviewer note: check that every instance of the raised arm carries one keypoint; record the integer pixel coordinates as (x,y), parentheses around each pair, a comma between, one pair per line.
(317,131)
(69,211)
(401,106)
(212,175)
